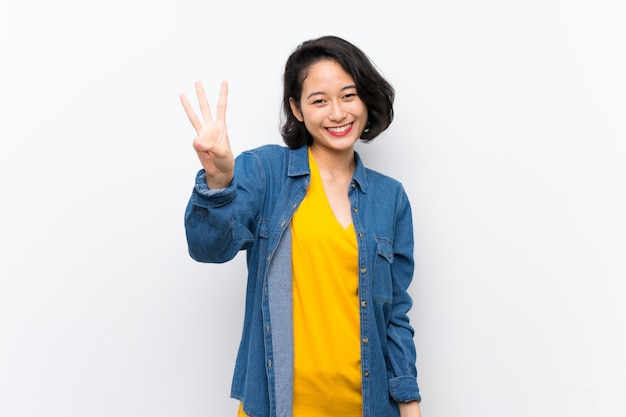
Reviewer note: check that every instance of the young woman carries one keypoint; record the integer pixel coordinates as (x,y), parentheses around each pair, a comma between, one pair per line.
(329,244)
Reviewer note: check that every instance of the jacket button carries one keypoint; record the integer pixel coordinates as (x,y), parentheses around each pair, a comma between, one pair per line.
(360,234)
(363,303)
(366,373)
(356,210)
(365,340)
(282,224)
(363,270)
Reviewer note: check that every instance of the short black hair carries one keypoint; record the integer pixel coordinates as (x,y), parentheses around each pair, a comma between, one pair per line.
(373,89)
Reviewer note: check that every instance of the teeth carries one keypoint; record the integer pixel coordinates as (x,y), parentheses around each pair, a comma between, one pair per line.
(339,129)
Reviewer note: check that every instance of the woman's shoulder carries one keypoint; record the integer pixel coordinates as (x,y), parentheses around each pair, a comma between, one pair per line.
(266,155)
(382,179)
(279,158)
(383,186)
(270,158)
(268,150)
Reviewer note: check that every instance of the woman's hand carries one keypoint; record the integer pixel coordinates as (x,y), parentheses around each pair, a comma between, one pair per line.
(410,409)
(211,144)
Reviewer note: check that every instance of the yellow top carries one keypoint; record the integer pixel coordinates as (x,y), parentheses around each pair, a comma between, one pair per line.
(327,350)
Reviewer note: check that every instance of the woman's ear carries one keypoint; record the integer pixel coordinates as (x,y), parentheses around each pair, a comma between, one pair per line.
(295,109)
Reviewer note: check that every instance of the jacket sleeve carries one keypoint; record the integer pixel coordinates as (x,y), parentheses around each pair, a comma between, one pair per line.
(403,385)
(219,223)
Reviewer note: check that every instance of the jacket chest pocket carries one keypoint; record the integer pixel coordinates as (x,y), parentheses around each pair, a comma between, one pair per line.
(382,286)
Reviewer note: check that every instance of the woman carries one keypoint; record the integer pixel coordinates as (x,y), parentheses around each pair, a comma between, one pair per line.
(329,244)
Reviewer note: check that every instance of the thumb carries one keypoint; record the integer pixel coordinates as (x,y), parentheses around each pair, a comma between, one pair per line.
(203,146)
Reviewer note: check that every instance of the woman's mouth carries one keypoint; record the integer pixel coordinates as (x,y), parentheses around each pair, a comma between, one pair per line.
(340,130)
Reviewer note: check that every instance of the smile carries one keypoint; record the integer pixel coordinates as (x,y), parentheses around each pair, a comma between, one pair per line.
(340,130)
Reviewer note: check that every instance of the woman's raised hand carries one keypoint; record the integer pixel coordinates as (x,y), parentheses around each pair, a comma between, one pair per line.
(211,144)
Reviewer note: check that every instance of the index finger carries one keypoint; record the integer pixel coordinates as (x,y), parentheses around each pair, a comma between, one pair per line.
(205,109)
(191,114)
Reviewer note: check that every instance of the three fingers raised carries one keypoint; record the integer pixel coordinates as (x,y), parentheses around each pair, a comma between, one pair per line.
(205,108)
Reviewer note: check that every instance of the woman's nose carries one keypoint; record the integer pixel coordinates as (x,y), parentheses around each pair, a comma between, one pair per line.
(336,112)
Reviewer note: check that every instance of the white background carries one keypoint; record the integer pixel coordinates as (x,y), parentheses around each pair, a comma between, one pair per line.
(510,138)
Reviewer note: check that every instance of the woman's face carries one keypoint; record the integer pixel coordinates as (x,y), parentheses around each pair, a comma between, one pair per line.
(330,107)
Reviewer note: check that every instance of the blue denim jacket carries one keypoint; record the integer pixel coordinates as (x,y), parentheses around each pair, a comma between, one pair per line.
(254,214)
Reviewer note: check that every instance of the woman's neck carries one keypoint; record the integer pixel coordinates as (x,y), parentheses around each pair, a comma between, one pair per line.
(338,165)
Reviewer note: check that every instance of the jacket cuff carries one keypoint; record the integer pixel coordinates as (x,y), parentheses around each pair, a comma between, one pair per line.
(205,197)
(404,389)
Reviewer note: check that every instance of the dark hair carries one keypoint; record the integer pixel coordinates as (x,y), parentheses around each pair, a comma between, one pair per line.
(373,89)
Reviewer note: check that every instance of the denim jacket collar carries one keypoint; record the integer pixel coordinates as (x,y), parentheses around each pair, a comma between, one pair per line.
(299,165)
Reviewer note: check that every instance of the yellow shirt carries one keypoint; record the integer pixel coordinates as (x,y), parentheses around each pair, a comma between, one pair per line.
(327,355)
